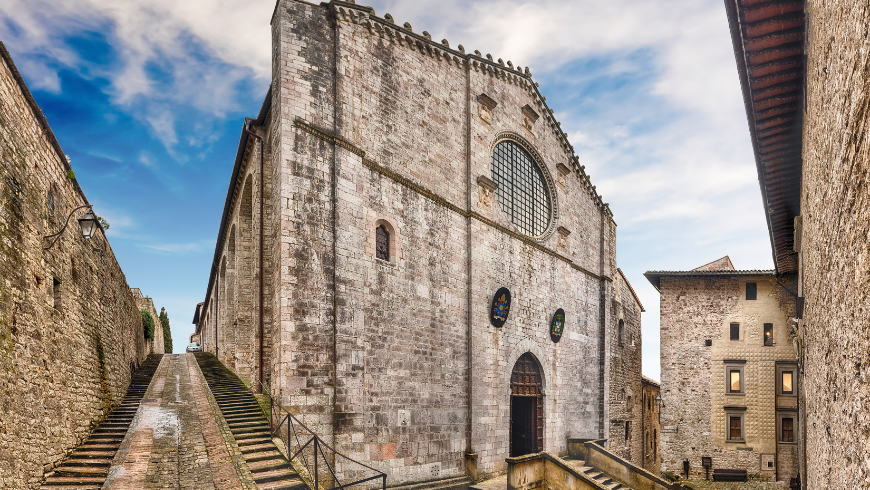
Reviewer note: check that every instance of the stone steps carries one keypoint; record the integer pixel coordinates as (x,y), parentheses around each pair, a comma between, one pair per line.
(88,465)
(249,426)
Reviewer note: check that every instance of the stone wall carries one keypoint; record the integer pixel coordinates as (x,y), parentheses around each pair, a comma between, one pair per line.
(651,426)
(395,361)
(625,392)
(70,332)
(155,345)
(834,250)
(693,384)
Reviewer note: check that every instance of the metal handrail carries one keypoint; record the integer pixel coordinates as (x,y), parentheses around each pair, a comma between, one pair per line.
(319,444)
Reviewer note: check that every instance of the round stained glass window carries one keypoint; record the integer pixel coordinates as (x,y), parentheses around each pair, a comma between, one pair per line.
(522,191)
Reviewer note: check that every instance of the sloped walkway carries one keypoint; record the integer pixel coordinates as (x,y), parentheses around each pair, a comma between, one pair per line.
(86,468)
(249,427)
(178,438)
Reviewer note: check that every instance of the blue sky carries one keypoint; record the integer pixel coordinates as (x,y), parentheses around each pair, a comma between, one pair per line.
(148,99)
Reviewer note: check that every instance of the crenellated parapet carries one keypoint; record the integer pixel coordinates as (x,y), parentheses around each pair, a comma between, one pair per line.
(387,29)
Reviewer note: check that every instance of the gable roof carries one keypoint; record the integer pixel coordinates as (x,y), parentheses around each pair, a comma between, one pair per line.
(768,40)
(723,264)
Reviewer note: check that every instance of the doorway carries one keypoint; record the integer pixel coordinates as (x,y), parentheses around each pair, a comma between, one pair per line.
(527,407)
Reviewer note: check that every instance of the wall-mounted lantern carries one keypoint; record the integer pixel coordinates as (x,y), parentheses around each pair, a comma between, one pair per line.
(89,224)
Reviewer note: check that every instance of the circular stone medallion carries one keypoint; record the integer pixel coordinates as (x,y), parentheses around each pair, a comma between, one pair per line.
(557,325)
(501,305)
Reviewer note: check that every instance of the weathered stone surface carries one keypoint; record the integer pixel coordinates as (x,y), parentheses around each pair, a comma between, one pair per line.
(693,384)
(651,426)
(70,332)
(834,248)
(155,345)
(395,361)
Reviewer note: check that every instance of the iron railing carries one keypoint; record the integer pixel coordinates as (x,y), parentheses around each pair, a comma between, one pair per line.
(316,461)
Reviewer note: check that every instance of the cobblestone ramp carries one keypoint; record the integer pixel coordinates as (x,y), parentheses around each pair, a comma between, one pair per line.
(250,428)
(88,465)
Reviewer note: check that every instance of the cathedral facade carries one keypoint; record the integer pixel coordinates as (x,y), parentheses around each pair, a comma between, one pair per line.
(412,258)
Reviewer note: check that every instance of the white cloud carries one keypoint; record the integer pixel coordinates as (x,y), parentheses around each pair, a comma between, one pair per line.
(673,159)
(180,248)
(178,39)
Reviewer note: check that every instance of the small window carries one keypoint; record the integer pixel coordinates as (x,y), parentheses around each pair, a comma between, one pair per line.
(735,427)
(735,385)
(768,334)
(621,332)
(751,290)
(735,331)
(50,202)
(787,383)
(627,431)
(734,380)
(787,429)
(382,243)
(57,293)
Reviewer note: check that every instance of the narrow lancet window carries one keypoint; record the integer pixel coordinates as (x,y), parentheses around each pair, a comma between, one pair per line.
(382,243)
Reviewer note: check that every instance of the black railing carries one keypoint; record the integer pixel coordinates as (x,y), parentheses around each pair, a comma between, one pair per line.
(316,461)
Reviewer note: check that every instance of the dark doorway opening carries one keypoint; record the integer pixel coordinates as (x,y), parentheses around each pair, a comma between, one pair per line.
(527,407)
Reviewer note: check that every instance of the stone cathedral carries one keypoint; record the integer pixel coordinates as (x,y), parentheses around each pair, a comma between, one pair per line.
(412,258)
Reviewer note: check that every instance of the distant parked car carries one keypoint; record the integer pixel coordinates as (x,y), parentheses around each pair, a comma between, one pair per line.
(194,347)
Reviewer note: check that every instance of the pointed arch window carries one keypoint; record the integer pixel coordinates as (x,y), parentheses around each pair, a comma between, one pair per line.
(382,243)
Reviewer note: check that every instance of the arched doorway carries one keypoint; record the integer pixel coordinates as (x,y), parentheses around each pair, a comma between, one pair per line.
(527,407)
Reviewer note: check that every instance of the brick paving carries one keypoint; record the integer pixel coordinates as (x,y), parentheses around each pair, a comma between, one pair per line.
(176,439)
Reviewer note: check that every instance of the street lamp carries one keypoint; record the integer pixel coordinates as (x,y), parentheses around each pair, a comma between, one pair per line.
(659,401)
(88,223)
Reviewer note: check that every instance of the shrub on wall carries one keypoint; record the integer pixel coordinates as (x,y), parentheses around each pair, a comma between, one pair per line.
(148,323)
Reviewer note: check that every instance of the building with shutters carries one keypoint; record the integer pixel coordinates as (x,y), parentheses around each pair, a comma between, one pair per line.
(412,258)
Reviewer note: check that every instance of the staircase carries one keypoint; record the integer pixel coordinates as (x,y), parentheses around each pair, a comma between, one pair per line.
(88,465)
(599,476)
(269,467)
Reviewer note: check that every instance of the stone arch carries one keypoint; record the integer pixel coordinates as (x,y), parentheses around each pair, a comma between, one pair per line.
(247,344)
(231,300)
(523,346)
(222,310)
(526,406)
(545,171)
(389,223)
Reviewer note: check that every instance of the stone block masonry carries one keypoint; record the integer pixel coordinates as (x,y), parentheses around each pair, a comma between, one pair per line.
(70,331)
(373,130)
(834,249)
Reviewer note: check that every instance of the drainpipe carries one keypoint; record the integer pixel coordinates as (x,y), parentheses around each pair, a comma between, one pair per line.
(260,265)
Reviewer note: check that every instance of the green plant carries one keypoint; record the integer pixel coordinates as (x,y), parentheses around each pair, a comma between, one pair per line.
(70,174)
(167,334)
(148,324)
(103,223)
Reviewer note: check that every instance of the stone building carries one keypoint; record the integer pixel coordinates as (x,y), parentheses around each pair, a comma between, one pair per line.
(651,418)
(803,71)
(392,195)
(155,345)
(626,410)
(70,333)
(728,370)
